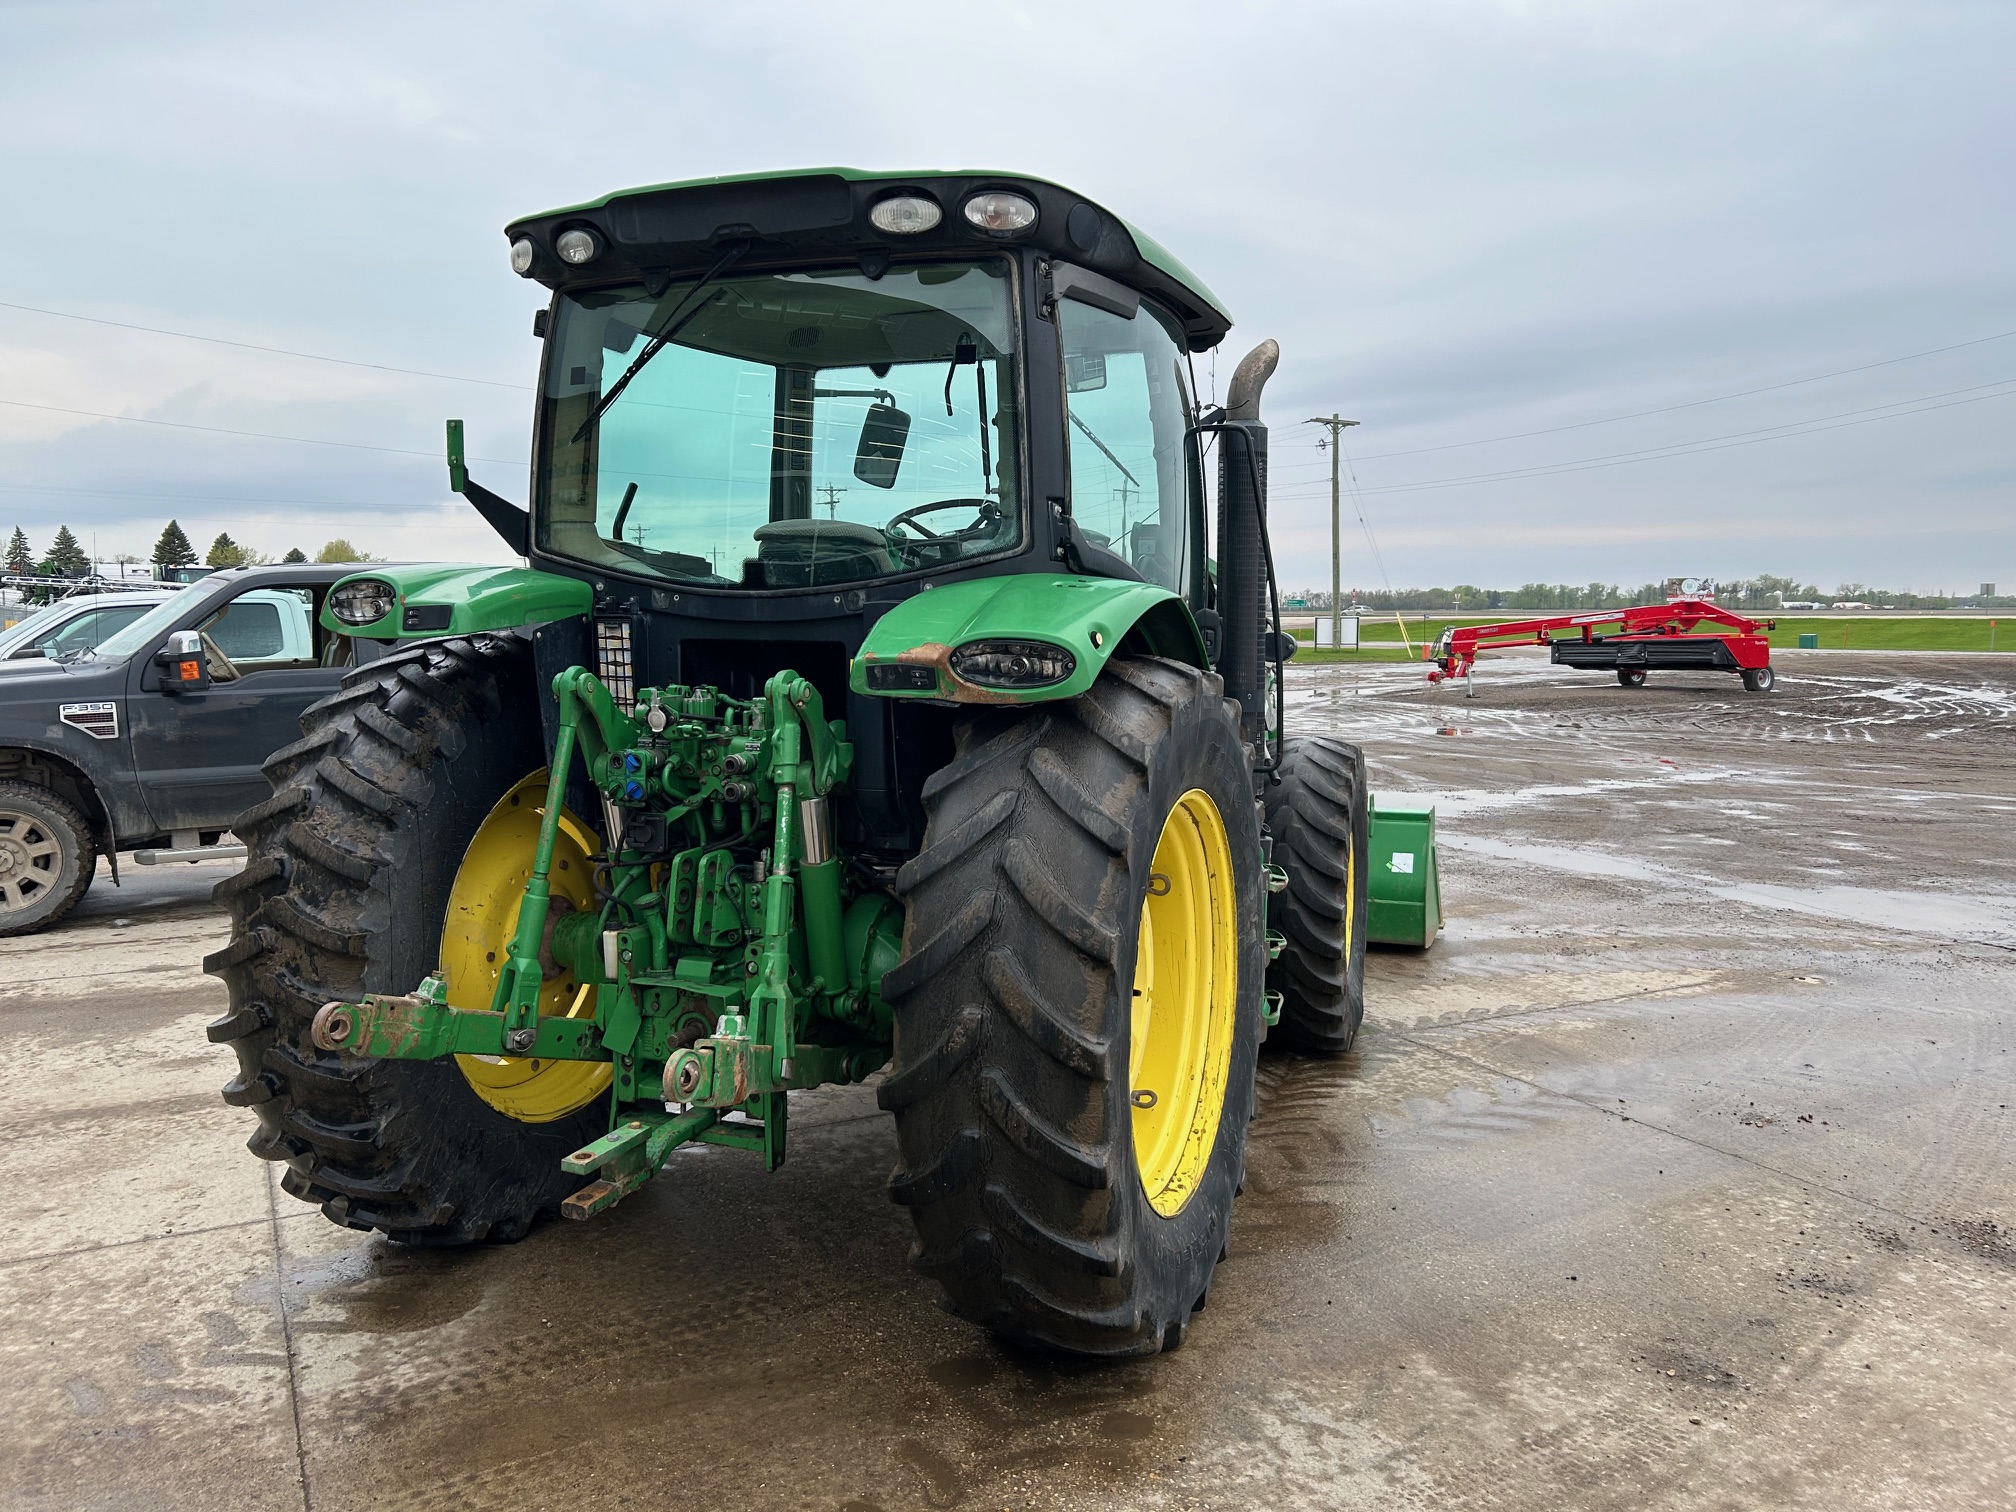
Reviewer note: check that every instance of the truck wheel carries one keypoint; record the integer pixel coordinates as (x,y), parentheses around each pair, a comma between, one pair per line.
(1078,1008)
(47,856)
(1319,816)
(1758,679)
(414,788)
(1631,677)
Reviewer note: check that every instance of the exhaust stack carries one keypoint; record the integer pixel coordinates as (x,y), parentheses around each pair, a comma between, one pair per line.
(1242,565)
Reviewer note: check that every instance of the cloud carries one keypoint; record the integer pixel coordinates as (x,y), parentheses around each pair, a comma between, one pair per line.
(1462,219)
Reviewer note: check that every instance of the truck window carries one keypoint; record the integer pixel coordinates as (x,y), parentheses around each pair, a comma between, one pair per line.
(85,632)
(268,627)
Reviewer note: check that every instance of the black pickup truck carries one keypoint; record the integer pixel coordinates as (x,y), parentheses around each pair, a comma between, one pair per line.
(153,742)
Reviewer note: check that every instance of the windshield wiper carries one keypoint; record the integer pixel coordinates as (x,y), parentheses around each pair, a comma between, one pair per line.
(673,326)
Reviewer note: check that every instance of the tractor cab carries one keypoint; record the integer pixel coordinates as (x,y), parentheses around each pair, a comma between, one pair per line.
(785,385)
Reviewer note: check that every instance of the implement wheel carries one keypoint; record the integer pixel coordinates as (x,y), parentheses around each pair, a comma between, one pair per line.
(399,833)
(1758,679)
(1077,1012)
(1319,815)
(1631,677)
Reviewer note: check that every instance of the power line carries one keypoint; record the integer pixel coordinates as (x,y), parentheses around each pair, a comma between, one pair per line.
(1714,443)
(249,346)
(226,499)
(1689,404)
(219,430)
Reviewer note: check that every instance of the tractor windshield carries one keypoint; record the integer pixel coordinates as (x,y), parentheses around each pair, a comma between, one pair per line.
(797,429)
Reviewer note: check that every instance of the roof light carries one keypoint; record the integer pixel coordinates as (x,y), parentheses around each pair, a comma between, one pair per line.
(522,252)
(905,214)
(578,245)
(999,211)
(1012,664)
(362,601)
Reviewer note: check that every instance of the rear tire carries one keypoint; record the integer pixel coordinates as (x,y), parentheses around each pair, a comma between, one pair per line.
(1011,1082)
(47,856)
(345,885)
(1631,677)
(1758,679)
(1319,815)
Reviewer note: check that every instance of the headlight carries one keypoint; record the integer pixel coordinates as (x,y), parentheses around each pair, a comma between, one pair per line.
(1012,664)
(521,255)
(905,214)
(578,245)
(998,210)
(363,602)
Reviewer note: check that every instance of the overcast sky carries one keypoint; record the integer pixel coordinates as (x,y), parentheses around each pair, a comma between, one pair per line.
(1462,220)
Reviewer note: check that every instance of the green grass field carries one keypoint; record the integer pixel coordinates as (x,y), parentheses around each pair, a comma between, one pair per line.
(1379,639)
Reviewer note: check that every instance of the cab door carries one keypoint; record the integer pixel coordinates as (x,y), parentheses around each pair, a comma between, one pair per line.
(197,755)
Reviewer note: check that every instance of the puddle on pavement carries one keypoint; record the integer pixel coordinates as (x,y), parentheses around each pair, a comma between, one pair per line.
(1988,919)
(380,1288)
(1946,915)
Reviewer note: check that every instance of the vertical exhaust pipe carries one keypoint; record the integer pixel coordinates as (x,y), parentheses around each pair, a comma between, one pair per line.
(1242,565)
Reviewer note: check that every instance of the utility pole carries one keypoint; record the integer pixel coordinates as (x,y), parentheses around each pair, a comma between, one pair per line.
(1336,426)
(1126,492)
(832,492)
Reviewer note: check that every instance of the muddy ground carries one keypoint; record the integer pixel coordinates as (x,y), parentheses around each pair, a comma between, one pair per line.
(1680,1174)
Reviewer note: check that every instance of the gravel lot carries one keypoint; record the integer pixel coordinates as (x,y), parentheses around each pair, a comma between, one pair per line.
(1680,1174)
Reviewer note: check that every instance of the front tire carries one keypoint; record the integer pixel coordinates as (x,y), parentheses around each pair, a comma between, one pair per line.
(47,856)
(1088,901)
(346,884)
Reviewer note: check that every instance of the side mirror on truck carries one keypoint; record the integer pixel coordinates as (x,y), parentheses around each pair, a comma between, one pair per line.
(182,664)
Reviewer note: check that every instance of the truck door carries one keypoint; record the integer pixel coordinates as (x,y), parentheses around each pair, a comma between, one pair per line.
(197,755)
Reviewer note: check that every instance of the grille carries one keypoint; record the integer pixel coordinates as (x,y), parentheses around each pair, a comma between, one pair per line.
(613,661)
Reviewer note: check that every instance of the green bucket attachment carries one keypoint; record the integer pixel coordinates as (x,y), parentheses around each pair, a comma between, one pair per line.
(1406,902)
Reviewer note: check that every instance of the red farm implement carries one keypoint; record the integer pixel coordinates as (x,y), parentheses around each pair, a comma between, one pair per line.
(1651,638)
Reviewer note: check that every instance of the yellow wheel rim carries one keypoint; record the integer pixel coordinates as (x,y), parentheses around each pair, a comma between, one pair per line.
(483,913)
(1184,1004)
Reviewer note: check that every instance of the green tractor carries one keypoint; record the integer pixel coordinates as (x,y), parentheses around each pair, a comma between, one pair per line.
(869,702)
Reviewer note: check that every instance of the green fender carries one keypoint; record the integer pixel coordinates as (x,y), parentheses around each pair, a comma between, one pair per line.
(908,653)
(460,598)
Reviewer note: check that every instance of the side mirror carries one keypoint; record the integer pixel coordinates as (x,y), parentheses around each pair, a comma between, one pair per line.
(884,433)
(183,669)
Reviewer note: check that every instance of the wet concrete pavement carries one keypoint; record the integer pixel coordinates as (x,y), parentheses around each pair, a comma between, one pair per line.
(1680,1174)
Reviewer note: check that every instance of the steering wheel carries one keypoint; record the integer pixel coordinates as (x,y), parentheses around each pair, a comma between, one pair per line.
(909,516)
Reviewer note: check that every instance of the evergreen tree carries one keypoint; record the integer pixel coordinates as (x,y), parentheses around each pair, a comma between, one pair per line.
(65,555)
(20,560)
(295,554)
(173,549)
(224,552)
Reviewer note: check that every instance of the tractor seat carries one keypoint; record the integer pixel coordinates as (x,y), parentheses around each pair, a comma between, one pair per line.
(803,553)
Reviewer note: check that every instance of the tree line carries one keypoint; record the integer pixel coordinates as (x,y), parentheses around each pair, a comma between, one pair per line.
(67,558)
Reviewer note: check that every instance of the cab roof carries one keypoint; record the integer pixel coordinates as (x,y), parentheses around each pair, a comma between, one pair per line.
(679,227)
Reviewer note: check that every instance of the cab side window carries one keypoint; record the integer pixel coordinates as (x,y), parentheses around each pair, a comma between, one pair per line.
(1128,412)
